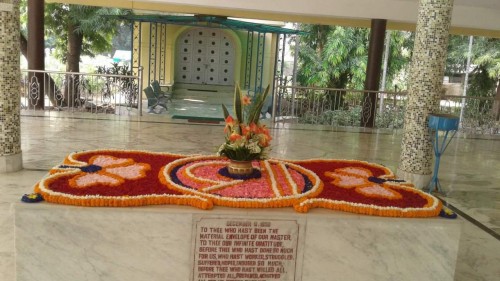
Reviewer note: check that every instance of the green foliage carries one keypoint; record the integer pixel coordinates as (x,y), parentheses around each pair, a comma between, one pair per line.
(335,118)
(336,56)
(251,112)
(456,61)
(255,108)
(400,52)
(246,139)
(238,107)
(23,16)
(481,84)
(91,22)
(331,56)
(485,63)
(126,86)
(123,38)
(391,118)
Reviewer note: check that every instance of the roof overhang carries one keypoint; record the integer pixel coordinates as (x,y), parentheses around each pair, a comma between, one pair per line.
(210,21)
(470,17)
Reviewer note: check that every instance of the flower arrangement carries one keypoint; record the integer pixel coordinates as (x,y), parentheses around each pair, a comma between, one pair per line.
(246,138)
(153,178)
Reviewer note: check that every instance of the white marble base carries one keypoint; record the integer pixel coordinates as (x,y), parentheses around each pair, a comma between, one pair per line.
(370,248)
(7,265)
(419,181)
(7,249)
(11,163)
(60,243)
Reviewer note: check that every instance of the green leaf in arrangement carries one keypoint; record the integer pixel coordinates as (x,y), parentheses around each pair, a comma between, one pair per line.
(255,113)
(245,141)
(226,112)
(238,108)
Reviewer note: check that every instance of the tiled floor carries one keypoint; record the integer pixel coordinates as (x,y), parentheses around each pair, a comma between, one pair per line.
(470,168)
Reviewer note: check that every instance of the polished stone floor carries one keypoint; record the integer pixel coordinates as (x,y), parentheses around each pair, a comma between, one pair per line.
(470,168)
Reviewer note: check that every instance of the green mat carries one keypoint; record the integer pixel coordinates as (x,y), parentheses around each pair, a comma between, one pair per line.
(198,118)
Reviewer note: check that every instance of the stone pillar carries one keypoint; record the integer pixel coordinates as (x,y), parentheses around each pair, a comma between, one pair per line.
(373,66)
(10,75)
(426,79)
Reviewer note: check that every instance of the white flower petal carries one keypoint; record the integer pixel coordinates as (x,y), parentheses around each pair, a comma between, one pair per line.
(356,171)
(128,172)
(377,190)
(106,161)
(95,179)
(349,181)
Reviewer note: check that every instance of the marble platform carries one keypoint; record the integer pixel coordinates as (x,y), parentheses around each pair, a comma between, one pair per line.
(60,243)
(469,170)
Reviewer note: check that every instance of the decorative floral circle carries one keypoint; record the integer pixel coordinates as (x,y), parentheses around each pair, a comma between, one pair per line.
(280,184)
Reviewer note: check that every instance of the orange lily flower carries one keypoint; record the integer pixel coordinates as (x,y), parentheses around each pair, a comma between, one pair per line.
(254,128)
(234,137)
(263,130)
(246,100)
(245,130)
(229,123)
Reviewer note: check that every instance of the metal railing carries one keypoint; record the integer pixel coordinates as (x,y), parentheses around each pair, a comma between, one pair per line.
(478,115)
(344,108)
(80,92)
(337,107)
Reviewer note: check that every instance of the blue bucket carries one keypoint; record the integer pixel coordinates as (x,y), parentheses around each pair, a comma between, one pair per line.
(443,122)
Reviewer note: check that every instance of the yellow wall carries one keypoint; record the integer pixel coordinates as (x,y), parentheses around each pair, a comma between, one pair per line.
(239,38)
(268,63)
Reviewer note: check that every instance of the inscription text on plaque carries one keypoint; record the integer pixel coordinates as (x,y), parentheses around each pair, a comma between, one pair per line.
(238,249)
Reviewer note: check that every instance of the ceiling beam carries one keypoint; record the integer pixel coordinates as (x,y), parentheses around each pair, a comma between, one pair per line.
(467,19)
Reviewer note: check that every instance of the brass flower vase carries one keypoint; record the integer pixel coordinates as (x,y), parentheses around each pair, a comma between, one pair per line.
(240,168)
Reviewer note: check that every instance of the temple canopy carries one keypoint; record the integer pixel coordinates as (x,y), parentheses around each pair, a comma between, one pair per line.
(219,59)
(210,21)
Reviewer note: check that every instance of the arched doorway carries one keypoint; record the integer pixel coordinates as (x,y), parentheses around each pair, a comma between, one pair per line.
(205,56)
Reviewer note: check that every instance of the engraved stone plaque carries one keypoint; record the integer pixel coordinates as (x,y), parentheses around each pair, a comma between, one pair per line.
(238,249)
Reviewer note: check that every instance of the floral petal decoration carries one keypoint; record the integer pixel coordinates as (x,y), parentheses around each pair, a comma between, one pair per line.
(121,178)
(113,178)
(86,179)
(366,188)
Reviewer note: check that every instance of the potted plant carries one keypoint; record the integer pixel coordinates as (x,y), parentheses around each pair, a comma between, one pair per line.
(245,138)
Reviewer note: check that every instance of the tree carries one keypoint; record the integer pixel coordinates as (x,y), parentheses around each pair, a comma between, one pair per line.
(77,30)
(123,39)
(336,56)
(80,30)
(485,63)
(484,75)
(332,56)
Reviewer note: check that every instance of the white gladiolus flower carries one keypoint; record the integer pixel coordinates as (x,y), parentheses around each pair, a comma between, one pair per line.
(254,147)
